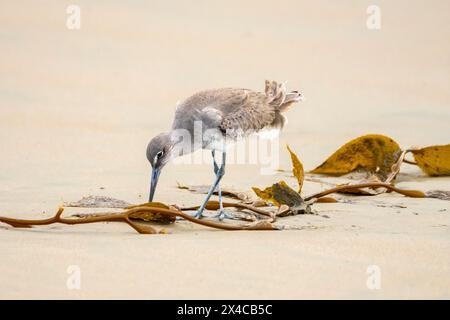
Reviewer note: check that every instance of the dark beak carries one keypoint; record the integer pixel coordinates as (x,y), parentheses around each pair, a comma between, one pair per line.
(153,183)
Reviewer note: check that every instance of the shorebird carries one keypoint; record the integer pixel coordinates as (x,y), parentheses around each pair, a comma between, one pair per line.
(225,115)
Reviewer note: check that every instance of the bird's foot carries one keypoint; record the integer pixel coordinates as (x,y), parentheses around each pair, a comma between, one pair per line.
(199,215)
(223,214)
(220,215)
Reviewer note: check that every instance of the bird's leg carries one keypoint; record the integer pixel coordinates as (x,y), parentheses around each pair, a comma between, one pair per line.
(216,169)
(222,214)
(216,166)
(219,171)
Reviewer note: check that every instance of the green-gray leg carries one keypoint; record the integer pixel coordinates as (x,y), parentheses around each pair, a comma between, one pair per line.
(219,171)
(219,190)
(222,213)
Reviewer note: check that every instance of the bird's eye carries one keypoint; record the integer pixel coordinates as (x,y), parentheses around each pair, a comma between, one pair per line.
(159,154)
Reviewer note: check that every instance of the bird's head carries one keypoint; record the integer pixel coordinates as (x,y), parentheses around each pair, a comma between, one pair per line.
(159,153)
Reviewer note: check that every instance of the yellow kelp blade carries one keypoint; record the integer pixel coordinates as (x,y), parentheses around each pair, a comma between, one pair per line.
(150,216)
(373,153)
(280,193)
(434,160)
(297,169)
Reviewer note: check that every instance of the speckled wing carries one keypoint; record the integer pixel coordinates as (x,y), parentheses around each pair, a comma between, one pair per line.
(248,111)
(236,111)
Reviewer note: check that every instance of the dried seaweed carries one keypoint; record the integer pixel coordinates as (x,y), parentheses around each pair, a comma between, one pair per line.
(373,153)
(226,192)
(98,202)
(281,194)
(433,160)
(376,155)
(143,212)
(438,194)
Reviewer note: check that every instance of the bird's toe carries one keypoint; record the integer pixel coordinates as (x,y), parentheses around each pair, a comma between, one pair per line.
(223,214)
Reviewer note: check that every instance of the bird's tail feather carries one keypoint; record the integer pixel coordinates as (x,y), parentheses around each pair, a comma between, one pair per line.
(278,96)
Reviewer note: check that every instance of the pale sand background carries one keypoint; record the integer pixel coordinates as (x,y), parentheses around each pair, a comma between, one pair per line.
(77,109)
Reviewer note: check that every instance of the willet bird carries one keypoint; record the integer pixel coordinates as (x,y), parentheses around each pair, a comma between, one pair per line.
(224,115)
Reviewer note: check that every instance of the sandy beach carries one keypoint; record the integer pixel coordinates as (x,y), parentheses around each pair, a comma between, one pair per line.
(78,107)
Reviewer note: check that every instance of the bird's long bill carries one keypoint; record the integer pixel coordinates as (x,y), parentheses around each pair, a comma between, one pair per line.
(153,183)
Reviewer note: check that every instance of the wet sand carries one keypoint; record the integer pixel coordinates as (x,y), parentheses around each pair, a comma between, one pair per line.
(77,108)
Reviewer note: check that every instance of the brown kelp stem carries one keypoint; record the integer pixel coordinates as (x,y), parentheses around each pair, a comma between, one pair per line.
(409,193)
(125,217)
(115,217)
(395,168)
(409,162)
(410,150)
(264,225)
(214,205)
